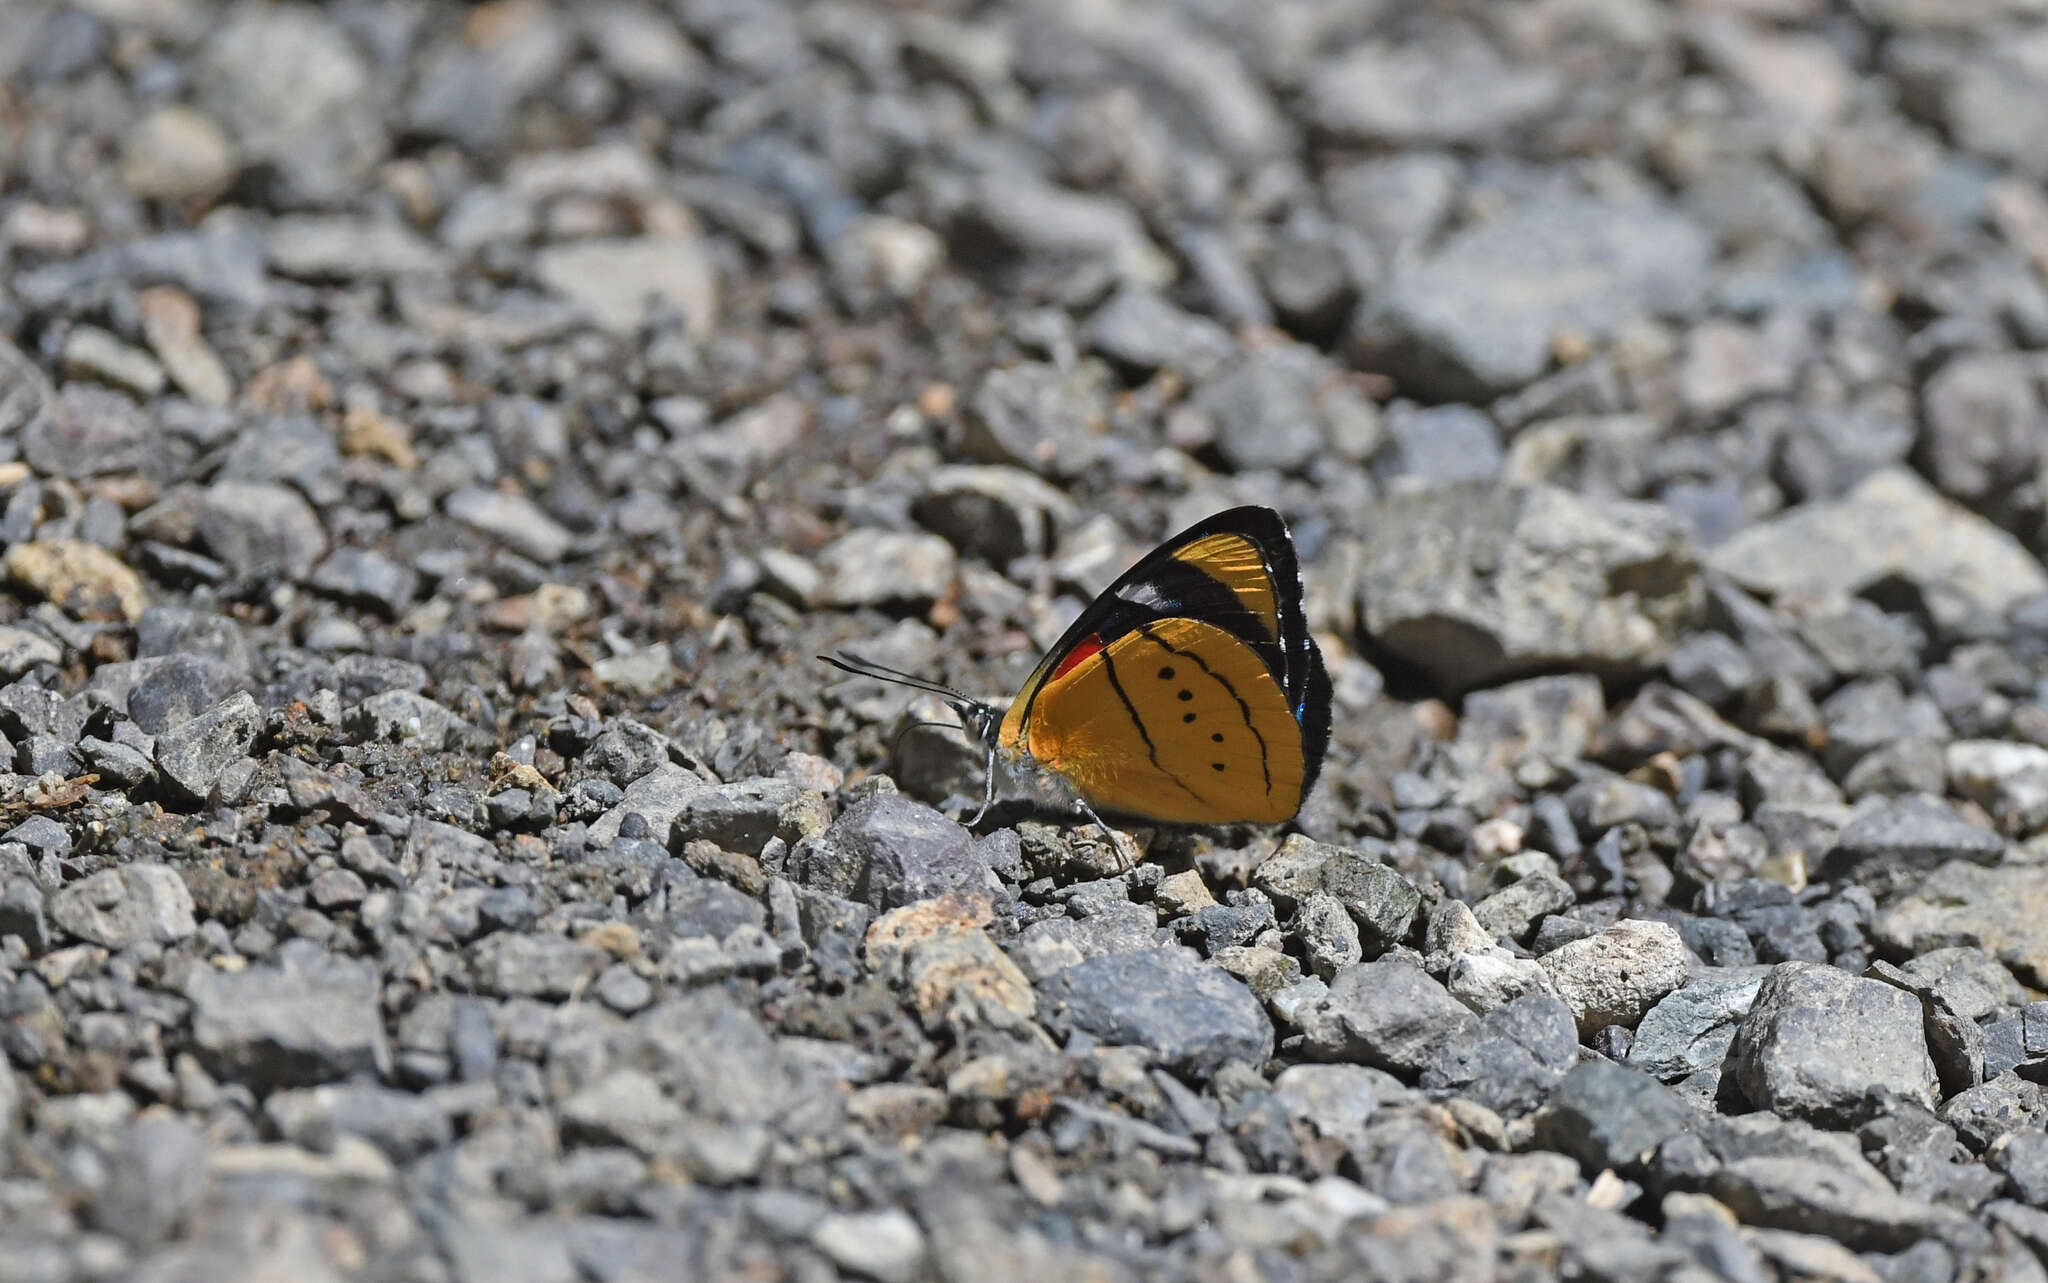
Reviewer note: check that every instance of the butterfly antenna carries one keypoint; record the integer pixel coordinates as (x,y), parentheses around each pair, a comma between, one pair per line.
(883,673)
(1116,839)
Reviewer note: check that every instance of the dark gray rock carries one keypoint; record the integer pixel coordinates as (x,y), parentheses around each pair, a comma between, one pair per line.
(1813,1197)
(310,1018)
(2024,1160)
(1953,1039)
(741,816)
(1381,902)
(179,687)
(1511,1058)
(887,851)
(1832,1048)
(1389,1014)
(1690,1029)
(1913,832)
(1193,1017)
(193,755)
(1984,1114)
(366,577)
(1610,1117)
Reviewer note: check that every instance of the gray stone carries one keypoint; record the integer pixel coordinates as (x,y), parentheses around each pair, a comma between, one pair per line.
(885,568)
(1987,1112)
(2002,910)
(92,353)
(1913,832)
(1328,936)
(1514,910)
(398,716)
(1832,1048)
(1614,977)
(886,1246)
(1266,406)
(298,96)
(1193,1017)
(888,851)
(1953,1040)
(1691,1028)
(1483,313)
(1478,585)
(1439,445)
(2008,780)
(261,531)
(1813,1197)
(1389,1014)
(1336,1100)
(313,1017)
(618,282)
(365,577)
(90,431)
(1380,901)
(2023,1159)
(22,650)
(179,687)
(656,790)
(525,965)
(1610,1117)
(115,908)
(1892,525)
(1511,1058)
(511,519)
(742,816)
(1139,329)
(403,1124)
(345,248)
(193,756)
(1457,91)
(157,1177)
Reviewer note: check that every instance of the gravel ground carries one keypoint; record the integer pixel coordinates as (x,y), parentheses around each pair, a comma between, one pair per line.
(435,439)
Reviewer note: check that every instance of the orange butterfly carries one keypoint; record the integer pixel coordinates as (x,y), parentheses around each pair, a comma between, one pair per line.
(1189,692)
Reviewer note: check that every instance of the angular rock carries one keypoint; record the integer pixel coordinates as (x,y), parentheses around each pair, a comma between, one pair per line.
(1812,1197)
(115,908)
(1691,1028)
(1612,1118)
(1511,1059)
(2002,910)
(1832,1048)
(193,756)
(1387,1013)
(1193,1017)
(887,851)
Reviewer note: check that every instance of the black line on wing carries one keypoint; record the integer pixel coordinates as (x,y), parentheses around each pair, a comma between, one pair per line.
(1244,709)
(1150,750)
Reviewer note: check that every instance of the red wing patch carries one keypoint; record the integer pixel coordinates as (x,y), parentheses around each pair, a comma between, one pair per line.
(1087,646)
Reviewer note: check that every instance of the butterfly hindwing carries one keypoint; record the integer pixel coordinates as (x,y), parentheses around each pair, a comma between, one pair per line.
(1190,690)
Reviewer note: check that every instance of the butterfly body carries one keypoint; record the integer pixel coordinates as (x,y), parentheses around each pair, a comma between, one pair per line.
(1190,691)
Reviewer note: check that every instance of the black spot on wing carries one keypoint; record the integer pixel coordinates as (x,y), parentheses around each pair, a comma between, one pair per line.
(1151,750)
(1244,709)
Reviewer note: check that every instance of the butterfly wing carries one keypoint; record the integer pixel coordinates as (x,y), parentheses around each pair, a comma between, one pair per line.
(1191,690)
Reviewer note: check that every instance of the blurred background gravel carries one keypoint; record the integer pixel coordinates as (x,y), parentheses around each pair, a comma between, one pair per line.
(434,440)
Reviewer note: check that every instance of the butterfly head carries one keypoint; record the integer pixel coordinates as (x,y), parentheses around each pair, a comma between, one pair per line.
(983,721)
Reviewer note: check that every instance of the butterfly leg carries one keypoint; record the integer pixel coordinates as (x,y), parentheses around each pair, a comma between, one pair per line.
(988,789)
(1115,839)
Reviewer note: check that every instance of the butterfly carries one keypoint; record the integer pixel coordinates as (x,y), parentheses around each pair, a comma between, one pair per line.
(1189,692)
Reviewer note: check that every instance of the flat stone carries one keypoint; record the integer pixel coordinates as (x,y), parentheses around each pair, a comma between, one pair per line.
(1403,95)
(532,965)
(1483,313)
(885,568)
(1892,525)
(1611,1117)
(511,519)
(2003,910)
(311,1018)
(1478,585)
(1812,1197)
(1691,1028)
